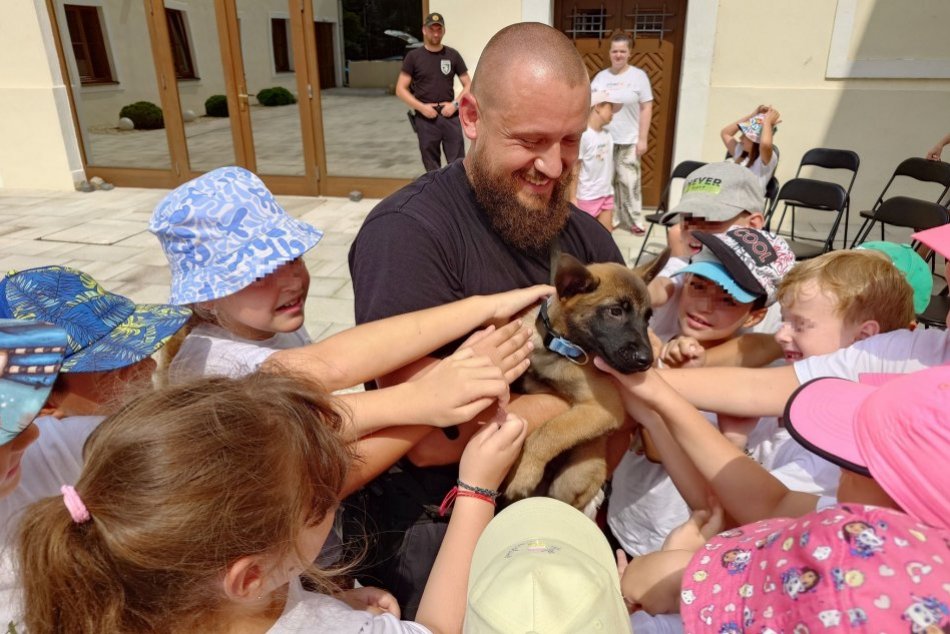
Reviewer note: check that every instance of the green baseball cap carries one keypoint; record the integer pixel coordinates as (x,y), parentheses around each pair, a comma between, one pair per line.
(914,268)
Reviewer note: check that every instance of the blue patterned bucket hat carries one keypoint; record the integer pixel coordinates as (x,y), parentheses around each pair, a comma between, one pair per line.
(104,331)
(30,356)
(223,231)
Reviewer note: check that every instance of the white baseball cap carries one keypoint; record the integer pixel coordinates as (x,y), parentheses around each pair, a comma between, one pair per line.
(543,566)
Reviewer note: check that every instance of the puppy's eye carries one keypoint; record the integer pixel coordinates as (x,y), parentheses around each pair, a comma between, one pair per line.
(616,311)
(625,304)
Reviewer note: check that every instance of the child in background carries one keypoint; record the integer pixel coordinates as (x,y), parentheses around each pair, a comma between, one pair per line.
(715,197)
(876,567)
(135,547)
(108,348)
(828,303)
(753,149)
(593,185)
(725,289)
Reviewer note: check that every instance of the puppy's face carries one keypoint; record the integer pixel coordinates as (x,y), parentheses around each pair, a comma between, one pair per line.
(605,309)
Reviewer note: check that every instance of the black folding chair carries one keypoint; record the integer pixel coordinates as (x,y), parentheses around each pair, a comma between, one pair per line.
(819,196)
(682,170)
(904,211)
(831,160)
(919,169)
(935,315)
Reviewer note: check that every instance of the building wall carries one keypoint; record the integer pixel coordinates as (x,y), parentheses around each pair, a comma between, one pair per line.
(34,108)
(843,74)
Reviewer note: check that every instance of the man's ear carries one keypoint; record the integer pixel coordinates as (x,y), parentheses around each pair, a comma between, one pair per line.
(756,220)
(867,329)
(246,579)
(755,316)
(469,115)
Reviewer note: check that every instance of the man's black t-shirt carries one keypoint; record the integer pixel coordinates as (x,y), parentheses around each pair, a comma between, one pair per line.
(429,244)
(433,73)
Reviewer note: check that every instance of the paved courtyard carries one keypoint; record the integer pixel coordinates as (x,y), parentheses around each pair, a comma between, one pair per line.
(366,133)
(105,234)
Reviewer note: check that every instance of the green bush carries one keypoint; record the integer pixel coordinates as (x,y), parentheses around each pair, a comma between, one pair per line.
(216,106)
(144,114)
(276,96)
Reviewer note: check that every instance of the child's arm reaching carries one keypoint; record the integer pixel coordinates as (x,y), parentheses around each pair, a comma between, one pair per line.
(652,582)
(486,460)
(370,350)
(746,490)
(736,391)
(452,392)
(772,119)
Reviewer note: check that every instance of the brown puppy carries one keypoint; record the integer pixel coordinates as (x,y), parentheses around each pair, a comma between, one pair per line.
(599,310)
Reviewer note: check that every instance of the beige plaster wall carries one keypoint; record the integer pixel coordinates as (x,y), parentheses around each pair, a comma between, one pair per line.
(34,111)
(469,25)
(784,62)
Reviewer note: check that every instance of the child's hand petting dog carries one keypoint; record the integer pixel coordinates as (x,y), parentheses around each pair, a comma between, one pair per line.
(490,453)
(510,303)
(459,387)
(682,352)
(509,347)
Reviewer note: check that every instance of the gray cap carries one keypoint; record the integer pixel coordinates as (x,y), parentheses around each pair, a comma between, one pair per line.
(719,192)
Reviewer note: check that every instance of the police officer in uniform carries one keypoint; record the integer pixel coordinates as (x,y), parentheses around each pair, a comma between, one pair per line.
(426,84)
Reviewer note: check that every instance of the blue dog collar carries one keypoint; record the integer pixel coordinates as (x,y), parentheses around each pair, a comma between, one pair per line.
(557,343)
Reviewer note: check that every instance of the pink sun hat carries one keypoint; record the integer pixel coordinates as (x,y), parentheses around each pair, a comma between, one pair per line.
(845,568)
(937,238)
(896,432)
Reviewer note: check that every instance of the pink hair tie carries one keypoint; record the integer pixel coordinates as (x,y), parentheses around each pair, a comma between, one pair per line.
(77,510)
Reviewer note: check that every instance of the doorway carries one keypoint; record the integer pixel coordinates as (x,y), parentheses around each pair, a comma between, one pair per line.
(164,90)
(657,28)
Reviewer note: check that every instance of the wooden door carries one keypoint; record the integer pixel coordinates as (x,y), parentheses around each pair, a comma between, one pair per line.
(657,31)
(324,36)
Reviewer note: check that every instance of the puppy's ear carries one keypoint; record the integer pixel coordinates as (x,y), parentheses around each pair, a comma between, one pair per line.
(573,278)
(651,269)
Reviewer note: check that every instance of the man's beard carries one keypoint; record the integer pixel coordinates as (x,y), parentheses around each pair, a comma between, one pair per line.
(531,229)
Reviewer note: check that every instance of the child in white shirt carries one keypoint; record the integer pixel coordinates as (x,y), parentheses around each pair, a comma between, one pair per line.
(595,167)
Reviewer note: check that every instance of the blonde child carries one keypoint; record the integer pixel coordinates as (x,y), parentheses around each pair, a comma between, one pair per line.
(593,185)
(828,303)
(108,343)
(753,149)
(136,547)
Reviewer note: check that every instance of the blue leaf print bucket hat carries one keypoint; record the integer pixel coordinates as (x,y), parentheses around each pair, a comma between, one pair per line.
(104,331)
(223,231)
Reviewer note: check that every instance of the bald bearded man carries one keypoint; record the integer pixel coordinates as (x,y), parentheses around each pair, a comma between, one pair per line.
(483,225)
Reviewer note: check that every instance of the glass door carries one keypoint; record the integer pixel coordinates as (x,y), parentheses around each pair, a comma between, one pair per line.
(164,90)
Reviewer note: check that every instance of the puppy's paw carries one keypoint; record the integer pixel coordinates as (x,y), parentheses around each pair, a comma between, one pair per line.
(578,484)
(524,480)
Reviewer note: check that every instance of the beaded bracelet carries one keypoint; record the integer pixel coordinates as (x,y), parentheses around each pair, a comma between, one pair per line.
(455,492)
(487,492)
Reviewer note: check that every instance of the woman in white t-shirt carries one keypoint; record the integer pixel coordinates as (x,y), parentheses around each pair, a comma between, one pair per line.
(753,148)
(629,129)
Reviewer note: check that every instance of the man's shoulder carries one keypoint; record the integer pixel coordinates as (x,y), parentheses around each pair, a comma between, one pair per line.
(585,238)
(435,190)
